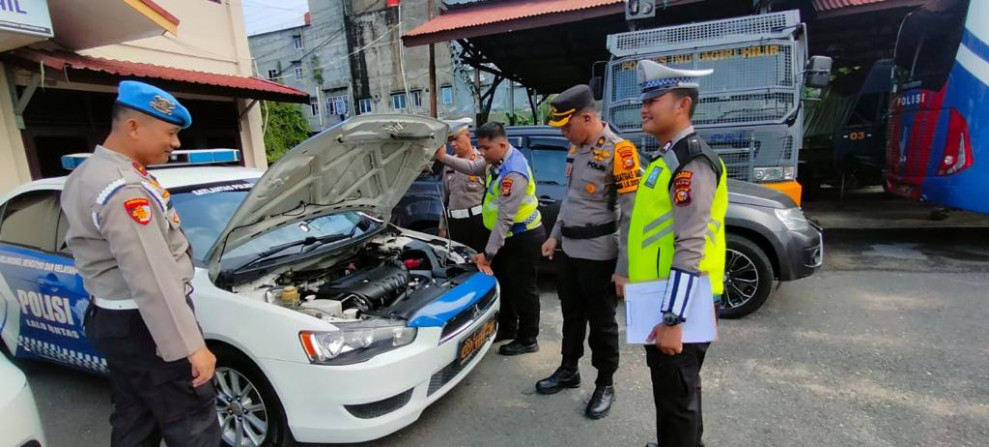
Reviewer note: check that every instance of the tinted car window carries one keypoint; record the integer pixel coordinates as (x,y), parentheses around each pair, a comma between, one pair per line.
(29,219)
(549,159)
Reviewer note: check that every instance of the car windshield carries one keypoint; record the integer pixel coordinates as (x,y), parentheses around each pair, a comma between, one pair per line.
(206,209)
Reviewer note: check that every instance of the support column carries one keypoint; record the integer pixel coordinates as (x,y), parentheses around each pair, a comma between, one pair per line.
(16,171)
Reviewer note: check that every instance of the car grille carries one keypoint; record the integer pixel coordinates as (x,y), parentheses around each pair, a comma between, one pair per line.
(467,316)
(381,407)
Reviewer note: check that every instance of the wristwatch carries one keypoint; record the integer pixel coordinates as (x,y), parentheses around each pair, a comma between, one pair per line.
(672,319)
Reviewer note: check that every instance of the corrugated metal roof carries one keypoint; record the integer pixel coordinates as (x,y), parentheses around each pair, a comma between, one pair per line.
(62,60)
(830,5)
(505,11)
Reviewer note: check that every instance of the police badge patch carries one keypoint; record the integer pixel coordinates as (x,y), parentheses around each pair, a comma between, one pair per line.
(139,210)
(506,187)
(681,188)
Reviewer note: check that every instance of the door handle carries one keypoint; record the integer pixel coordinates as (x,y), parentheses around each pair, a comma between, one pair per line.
(546,200)
(50,283)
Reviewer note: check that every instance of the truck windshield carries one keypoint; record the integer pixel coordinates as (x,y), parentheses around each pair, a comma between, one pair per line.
(927,44)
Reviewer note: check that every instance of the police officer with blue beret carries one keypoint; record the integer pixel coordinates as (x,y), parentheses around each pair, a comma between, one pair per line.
(677,234)
(135,261)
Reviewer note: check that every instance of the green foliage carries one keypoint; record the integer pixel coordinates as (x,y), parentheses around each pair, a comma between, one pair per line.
(317,71)
(286,127)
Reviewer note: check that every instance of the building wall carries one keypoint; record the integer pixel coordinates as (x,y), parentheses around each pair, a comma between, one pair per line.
(324,49)
(211,37)
(374,35)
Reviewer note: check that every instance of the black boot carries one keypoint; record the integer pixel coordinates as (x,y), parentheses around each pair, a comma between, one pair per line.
(518,347)
(563,377)
(652,444)
(600,402)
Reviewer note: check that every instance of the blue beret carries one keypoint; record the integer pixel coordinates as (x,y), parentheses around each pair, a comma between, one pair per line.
(153,101)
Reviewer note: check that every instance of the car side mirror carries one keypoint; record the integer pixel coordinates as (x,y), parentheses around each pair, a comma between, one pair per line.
(597,87)
(818,72)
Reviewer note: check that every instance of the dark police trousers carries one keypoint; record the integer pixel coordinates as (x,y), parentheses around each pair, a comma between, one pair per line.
(515,268)
(587,296)
(152,399)
(676,390)
(469,231)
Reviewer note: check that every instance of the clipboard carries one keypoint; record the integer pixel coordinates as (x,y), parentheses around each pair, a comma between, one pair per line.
(643,302)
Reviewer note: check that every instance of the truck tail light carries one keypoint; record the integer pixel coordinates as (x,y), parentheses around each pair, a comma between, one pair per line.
(957,148)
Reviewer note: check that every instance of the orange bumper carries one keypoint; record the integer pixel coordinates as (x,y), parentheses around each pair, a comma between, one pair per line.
(791,188)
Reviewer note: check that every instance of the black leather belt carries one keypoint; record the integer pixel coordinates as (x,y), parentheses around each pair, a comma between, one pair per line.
(589,231)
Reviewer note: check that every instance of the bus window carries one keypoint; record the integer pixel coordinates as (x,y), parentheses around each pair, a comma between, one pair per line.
(928,43)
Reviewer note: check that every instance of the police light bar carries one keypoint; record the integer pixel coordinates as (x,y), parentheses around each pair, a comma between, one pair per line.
(177,158)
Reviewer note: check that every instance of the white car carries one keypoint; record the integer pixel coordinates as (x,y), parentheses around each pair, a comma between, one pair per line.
(20,425)
(330,324)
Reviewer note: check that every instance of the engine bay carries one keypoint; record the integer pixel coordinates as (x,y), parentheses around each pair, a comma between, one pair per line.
(377,278)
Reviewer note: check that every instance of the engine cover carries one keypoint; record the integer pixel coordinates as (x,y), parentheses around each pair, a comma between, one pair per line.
(379,285)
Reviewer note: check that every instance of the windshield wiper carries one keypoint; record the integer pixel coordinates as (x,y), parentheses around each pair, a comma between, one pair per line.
(330,238)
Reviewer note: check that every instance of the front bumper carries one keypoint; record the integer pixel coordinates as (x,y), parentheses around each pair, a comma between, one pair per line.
(369,400)
(802,252)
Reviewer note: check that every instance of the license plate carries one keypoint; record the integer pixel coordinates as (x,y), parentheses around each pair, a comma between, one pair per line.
(472,344)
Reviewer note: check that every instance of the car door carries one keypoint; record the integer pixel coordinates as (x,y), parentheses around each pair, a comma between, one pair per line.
(549,165)
(44,299)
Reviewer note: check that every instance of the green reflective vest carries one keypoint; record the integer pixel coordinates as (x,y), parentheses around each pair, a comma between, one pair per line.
(527,217)
(650,234)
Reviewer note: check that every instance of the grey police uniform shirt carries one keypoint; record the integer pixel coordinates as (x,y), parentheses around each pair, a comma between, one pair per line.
(595,195)
(126,239)
(690,219)
(508,205)
(462,191)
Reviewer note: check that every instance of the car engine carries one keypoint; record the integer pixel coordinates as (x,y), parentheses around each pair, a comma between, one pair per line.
(379,275)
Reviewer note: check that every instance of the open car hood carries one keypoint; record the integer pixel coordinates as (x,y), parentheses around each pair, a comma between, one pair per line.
(365,163)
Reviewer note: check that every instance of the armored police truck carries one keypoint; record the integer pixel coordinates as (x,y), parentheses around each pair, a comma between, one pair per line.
(749,110)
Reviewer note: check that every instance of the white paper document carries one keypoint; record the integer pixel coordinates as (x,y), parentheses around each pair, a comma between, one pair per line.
(642,312)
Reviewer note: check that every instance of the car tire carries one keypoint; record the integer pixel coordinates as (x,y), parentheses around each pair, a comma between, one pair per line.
(235,374)
(748,278)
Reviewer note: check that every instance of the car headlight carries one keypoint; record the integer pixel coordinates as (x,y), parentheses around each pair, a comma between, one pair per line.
(774,174)
(793,219)
(355,342)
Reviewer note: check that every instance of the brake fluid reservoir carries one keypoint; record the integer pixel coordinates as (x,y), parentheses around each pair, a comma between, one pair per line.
(290,296)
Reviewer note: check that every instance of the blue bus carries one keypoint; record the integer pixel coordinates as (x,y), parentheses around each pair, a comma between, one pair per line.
(938,129)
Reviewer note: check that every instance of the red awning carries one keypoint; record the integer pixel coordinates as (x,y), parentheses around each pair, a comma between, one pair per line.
(77,67)
(501,17)
(831,8)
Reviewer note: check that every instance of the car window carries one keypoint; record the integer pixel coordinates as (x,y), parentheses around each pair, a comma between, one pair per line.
(205,211)
(549,159)
(30,219)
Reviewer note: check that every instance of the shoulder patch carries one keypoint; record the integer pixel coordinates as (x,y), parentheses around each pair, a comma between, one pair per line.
(627,170)
(139,210)
(506,187)
(681,188)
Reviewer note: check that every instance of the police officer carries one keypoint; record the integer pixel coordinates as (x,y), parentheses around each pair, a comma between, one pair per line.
(677,233)
(510,211)
(602,176)
(462,193)
(134,259)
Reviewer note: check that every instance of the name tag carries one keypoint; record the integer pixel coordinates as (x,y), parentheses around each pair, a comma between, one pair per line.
(653,177)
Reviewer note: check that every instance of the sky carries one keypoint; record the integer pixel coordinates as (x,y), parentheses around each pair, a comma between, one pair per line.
(269,15)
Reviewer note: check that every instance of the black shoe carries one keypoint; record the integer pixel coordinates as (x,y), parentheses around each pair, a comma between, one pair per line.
(517,347)
(600,402)
(652,444)
(502,336)
(563,377)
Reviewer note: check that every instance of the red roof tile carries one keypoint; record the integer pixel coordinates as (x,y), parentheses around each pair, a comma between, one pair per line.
(496,13)
(249,87)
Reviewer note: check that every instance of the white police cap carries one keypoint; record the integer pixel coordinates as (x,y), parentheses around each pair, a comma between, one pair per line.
(458,126)
(656,79)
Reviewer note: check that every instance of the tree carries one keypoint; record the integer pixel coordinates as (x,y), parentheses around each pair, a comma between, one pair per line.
(285,127)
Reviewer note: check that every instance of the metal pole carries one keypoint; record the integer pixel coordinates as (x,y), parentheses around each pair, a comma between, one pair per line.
(430,4)
(511,100)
